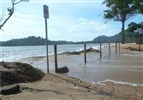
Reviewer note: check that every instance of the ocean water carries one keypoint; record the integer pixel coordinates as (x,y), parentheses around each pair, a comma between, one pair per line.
(13,53)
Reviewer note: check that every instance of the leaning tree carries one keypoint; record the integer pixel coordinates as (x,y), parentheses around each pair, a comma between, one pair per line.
(10,10)
(121,11)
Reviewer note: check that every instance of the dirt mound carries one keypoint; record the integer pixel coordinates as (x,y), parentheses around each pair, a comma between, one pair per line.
(16,72)
(133,47)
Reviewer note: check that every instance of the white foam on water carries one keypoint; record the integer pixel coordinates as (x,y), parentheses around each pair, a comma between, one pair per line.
(115,82)
(119,82)
(132,55)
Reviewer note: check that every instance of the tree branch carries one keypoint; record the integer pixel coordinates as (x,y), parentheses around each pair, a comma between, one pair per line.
(17,2)
(11,11)
(6,20)
(20,1)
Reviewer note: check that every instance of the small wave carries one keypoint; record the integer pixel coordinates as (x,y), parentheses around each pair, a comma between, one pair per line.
(82,51)
(19,53)
(119,82)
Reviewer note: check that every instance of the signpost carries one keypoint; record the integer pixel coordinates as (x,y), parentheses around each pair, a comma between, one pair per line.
(46,16)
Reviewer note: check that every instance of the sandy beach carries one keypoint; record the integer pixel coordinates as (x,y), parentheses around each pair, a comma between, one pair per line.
(115,77)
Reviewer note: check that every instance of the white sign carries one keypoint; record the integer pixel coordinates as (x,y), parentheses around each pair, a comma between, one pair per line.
(139,30)
(46,11)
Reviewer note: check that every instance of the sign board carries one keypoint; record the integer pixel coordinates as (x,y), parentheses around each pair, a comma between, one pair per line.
(46,11)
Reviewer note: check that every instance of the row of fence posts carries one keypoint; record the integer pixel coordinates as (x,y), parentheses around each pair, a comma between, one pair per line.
(85,57)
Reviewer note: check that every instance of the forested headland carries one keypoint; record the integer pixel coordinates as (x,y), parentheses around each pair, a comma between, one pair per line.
(29,41)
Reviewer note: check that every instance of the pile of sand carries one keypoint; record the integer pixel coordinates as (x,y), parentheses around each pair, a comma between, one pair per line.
(133,47)
(16,72)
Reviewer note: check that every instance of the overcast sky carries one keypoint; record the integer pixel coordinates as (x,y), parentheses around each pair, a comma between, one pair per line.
(71,20)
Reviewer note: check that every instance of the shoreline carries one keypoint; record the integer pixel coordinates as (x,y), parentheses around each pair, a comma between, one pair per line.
(77,49)
(109,80)
(124,83)
(113,64)
(62,87)
(76,84)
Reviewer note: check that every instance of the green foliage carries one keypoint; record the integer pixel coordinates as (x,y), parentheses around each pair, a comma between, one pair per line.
(139,5)
(25,41)
(120,10)
(133,26)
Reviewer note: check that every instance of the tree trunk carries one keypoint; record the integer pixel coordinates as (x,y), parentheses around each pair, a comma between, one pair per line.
(123,32)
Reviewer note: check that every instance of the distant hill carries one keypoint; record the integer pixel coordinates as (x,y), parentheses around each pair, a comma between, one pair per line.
(102,38)
(31,40)
(129,37)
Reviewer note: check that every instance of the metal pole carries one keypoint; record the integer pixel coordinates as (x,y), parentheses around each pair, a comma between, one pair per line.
(46,29)
(85,52)
(55,53)
(100,50)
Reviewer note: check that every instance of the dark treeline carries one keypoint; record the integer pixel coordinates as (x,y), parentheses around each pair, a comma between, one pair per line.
(31,40)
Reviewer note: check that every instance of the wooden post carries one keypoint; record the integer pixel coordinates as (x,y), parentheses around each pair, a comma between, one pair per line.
(119,47)
(100,50)
(109,49)
(116,47)
(55,56)
(85,52)
(139,43)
